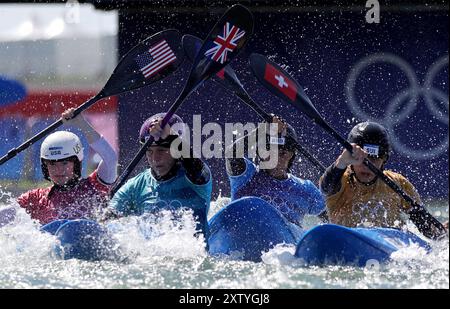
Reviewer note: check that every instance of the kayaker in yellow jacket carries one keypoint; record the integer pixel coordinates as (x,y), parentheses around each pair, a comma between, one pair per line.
(356,197)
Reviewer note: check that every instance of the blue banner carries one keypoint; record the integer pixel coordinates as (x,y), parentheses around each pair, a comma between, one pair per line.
(394,72)
(11,91)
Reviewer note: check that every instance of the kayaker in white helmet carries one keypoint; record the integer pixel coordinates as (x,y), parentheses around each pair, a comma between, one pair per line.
(70,196)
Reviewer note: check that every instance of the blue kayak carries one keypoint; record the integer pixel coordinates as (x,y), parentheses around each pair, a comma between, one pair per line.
(245,229)
(248,227)
(84,240)
(331,244)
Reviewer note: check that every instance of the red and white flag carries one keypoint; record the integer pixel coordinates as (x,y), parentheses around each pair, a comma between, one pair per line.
(226,43)
(158,57)
(280,81)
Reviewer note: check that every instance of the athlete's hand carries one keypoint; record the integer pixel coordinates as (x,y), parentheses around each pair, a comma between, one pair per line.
(347,158)
(157,132)
(68,116)
(281,124)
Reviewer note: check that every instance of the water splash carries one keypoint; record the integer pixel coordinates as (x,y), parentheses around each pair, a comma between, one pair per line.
(166,254)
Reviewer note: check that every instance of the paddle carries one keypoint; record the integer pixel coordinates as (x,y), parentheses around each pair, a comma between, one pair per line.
(149,61)
(227,79)
(223,43)
(281,84)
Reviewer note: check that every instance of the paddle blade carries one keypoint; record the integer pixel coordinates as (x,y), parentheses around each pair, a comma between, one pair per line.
(149,61)
(223,43)
(225,77)
(281,84)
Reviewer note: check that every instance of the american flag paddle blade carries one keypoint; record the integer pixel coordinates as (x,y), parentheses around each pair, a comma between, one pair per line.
(157,58)
(151,60)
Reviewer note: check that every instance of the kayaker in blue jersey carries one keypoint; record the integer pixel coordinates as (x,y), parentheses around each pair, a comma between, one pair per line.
(292,196)
(168,183)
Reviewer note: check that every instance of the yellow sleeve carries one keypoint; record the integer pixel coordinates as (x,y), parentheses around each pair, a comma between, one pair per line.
(335,201)
(407,187)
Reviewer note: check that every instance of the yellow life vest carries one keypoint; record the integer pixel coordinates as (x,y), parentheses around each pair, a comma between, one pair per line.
(374,205)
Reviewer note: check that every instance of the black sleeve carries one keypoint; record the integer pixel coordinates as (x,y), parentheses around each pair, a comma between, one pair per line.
(323,216)
(236,166)
(428,225)
(330,182)
(196,170)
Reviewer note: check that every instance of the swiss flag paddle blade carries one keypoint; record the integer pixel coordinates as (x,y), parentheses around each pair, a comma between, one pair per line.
(280,81)
(281,84)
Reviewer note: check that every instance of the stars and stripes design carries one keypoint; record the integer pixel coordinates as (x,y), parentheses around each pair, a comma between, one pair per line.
(226,43)
(280,81)
(158,57)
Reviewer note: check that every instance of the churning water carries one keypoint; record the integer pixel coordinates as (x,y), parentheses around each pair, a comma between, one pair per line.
(165,255)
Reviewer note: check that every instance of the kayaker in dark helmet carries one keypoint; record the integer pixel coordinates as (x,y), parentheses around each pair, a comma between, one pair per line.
(168,183)
(292,196)
(356,196)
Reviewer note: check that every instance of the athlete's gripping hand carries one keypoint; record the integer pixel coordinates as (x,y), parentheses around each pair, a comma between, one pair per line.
(68,117)
(157,132)
(347,158)
(280,122)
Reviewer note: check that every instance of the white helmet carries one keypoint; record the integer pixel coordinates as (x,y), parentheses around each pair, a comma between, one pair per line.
(61,145)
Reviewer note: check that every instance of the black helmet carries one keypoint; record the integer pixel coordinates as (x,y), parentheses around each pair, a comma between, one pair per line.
(286,140)
(291,137)
(372,137)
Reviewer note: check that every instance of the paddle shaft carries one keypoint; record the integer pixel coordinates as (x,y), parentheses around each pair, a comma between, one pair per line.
(13,152)
(245,97)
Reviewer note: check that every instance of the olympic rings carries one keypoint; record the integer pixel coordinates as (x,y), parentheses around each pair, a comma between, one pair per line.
(392,115)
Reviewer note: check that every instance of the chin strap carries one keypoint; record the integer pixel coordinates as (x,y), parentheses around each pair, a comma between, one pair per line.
(66,187)
(353,175)
(173,171)
(367,184)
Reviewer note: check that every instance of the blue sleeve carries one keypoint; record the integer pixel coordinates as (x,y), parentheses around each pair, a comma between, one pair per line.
(236,182)
(315,199)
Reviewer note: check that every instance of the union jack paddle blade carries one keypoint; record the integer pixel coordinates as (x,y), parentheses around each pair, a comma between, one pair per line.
(230,34)
(226,76)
